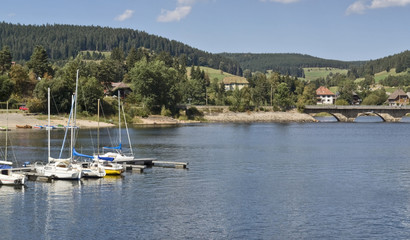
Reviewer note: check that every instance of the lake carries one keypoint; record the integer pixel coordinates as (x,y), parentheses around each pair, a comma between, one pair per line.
(245,181)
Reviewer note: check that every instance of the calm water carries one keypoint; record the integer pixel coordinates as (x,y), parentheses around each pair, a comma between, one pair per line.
(245,181)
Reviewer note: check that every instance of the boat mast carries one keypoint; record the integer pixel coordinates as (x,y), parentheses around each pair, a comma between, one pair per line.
(7,127)
(75,115)
(119,118)
(126,127)
(98,128)
(49,125)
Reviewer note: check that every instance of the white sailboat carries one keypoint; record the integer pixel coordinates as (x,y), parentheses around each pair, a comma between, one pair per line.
(7,176)
(116,152)
(59,168)
(110,167)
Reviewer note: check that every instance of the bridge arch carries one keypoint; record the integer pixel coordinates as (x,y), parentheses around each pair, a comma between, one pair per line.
(373,114)
(350,113)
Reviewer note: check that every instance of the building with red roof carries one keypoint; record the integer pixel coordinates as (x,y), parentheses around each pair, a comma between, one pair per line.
(325,96)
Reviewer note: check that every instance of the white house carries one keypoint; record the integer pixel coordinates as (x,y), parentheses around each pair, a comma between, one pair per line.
(233,82)
(325,96)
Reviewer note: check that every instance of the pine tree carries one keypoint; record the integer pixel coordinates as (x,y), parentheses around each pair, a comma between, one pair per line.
(5,60)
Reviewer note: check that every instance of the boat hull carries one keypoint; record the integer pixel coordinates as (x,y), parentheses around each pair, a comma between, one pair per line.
(59,173)
(113,171)
(12,179)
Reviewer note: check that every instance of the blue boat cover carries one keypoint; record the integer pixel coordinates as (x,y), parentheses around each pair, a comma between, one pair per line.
(106,158)
(5,166)
(75,153)
(119,147)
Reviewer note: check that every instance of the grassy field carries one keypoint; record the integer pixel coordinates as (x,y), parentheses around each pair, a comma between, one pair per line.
(212,73)
(382,75)
(315,73)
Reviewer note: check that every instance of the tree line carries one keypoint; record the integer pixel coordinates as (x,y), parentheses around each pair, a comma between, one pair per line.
(64,41)
(285,63)
(400,62)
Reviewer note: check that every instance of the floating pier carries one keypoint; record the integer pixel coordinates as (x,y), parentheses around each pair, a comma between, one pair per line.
(137,165)
(170,164)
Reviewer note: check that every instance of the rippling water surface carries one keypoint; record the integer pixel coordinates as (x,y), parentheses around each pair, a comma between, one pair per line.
(245,181)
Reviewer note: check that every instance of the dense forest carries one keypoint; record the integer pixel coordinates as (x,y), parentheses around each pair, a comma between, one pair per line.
(64,41)
(400,62)
(285,63)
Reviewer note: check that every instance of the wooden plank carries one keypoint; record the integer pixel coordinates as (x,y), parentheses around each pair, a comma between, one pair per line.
(169,163)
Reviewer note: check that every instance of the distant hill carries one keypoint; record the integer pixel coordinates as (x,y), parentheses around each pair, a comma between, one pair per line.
(286,63)
(64,41)
(400,62)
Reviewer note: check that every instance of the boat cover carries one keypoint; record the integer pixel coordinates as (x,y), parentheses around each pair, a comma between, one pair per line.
(75,153)
(106,158)
(118,147)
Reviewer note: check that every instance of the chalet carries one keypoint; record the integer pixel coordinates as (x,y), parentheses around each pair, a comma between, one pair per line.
(398,98)
(325,96)
(356,99)
(231,83)
(124,89)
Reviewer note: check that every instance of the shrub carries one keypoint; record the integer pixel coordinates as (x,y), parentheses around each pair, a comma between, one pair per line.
(35,105)
(341,102)
(165,112)
(193,113)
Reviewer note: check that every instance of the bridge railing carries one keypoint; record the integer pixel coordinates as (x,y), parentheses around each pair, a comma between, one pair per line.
(375,107)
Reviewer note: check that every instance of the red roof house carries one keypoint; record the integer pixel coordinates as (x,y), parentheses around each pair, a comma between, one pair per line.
(325,96)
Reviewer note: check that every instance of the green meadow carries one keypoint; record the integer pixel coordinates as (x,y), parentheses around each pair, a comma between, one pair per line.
(321,72)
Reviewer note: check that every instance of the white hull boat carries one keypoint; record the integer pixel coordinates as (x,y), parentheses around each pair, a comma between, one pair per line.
(8,177)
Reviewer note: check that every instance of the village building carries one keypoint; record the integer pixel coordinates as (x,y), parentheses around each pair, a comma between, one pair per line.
(231,83)
(398,98)
(325,96)
(124,89)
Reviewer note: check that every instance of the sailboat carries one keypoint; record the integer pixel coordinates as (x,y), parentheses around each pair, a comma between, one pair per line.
(7,176)
(106,160)
(59,168)
(89,169)
(116,152)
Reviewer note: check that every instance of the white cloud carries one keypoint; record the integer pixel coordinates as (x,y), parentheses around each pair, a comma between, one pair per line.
(175,15)
(361,6)
(357,7)
(388,3)
(127,14)
(182,10)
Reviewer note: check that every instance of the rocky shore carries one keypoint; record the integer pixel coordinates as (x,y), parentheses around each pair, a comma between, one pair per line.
(226,117)
(292,116)
(27,119)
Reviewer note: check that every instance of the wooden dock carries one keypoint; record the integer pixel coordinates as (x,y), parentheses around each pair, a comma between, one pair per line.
(137,165)
(170,164)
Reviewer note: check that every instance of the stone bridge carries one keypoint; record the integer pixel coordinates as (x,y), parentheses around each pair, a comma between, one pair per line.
(350,113)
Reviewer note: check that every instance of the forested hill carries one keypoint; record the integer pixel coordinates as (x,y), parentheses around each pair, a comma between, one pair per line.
(400,61)
(64,41)
(285,63)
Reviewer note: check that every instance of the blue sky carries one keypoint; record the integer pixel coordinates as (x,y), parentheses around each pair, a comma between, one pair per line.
(332,29)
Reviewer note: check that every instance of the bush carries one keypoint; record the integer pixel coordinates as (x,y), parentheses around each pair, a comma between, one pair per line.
(165,112)
(341,102)
(35,105)
(140,111)
(194,113)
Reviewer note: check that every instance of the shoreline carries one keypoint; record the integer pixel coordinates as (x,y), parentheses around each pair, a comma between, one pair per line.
(153,120)
(32,120)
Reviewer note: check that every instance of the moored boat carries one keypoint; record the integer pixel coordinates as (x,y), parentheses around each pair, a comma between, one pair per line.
(24,126)
(8,177)
(58,168)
